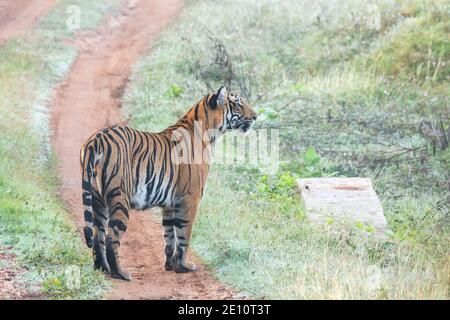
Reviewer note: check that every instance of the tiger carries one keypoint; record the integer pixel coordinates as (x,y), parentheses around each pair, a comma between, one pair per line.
(124,168)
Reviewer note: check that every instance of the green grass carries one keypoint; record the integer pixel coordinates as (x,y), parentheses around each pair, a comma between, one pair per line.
(349,99)
(33,219)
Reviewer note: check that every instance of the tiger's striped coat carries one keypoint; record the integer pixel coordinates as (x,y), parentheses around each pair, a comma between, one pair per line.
(123,168)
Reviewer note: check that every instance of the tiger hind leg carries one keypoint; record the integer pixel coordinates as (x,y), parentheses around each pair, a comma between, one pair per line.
(117,225)
(99,247)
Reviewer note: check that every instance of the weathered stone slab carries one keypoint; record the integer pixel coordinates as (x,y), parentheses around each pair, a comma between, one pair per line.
(343,199)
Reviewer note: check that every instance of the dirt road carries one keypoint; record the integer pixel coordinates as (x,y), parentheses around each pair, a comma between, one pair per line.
(89,99)
(19,15)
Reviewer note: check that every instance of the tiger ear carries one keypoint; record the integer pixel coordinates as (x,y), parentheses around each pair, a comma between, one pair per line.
(218,99)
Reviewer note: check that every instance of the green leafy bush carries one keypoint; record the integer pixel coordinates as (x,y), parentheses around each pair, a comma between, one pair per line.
(174,91)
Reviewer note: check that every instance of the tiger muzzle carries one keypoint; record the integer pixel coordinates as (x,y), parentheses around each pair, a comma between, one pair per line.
(245,125)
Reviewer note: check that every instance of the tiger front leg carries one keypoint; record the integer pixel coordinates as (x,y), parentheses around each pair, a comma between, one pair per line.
(183,222)
(169,237)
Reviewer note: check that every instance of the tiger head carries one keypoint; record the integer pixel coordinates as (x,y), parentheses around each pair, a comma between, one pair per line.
(232,111)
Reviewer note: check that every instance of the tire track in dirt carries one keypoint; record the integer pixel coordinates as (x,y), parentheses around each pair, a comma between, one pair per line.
(90,99)
(17,16)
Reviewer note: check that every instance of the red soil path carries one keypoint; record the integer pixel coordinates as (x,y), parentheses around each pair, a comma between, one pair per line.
(17,16)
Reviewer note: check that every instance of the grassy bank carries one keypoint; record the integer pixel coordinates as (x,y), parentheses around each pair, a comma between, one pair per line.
(355,89)
(33,221)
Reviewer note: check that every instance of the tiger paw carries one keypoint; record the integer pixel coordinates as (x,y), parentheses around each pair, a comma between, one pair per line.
(122,275)
(168,266)
(180,268)
(103,267)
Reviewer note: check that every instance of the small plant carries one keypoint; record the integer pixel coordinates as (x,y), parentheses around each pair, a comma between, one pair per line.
(268,114)
(280,190)
(308,164)
(281,184)
(363,227)
(311,162)
(55,286)
(174,91)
